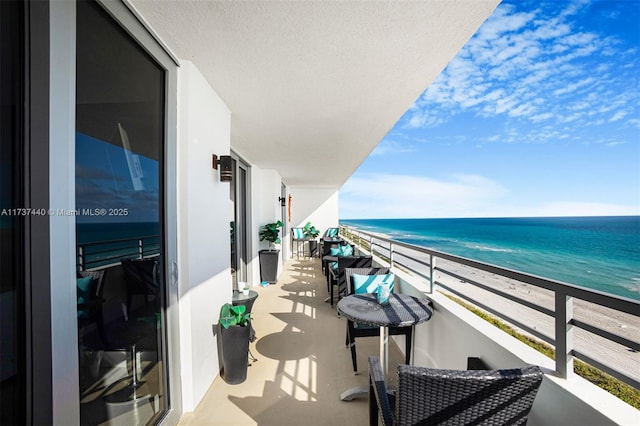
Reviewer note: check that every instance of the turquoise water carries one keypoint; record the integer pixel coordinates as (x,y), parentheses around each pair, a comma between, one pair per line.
(600,253)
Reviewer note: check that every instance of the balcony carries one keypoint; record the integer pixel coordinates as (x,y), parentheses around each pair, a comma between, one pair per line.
(303,364)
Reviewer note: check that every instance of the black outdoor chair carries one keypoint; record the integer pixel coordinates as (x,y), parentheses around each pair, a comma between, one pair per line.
(337,276)
(325,250)
(141,278)
(330,233)
(90,303)
(428,396)
(355,329)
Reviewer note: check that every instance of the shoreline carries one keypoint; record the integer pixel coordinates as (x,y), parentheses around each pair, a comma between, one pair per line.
(602,350)
(596,253)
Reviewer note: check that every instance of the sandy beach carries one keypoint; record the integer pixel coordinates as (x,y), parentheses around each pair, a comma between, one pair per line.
(600,349)
(603,350)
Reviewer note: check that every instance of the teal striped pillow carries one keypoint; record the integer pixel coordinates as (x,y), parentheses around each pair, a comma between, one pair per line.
(332,232)
(370,283)
(298,233)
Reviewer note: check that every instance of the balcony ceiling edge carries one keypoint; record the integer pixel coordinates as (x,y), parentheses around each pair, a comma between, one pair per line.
(314,86)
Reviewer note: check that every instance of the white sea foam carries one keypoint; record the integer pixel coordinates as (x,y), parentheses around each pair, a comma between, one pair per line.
(487,248)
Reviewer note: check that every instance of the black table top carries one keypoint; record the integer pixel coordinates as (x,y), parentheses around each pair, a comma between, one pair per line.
(401,311)
(239,297)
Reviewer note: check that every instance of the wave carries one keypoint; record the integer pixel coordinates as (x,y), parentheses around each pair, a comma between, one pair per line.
(634,286)
(476,246)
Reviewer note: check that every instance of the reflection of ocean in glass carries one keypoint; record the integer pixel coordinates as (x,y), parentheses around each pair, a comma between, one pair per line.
(110,178)
(105,243)
(601,253)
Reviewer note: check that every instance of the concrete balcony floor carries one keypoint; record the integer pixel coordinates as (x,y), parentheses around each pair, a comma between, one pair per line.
(303,364)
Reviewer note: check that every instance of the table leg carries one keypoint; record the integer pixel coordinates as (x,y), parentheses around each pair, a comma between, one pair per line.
(384,350)
(363,392)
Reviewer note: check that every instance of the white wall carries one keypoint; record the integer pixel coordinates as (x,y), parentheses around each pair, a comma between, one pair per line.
(203,229)
(265,208)
(316,205)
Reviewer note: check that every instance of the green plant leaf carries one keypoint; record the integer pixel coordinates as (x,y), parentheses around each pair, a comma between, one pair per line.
(233,315)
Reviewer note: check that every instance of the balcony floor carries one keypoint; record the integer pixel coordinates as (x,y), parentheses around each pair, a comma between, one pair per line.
(303,364)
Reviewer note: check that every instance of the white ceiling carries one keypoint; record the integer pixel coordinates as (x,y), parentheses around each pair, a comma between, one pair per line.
(315,83)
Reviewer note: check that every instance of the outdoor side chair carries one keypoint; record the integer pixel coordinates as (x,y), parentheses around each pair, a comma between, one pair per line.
(428,396)
(337,275)
(356,330)
(298,236)
(141,277)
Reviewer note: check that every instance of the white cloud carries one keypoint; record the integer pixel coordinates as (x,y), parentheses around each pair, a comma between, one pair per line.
(539,65)
(388,147)
(388,195)
(399,196)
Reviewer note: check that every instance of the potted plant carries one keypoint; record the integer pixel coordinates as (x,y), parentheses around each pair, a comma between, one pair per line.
(311,232)
(269,258)
(234,334)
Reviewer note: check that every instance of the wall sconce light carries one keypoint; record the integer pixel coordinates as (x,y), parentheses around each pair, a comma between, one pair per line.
(226,167)
(283,201)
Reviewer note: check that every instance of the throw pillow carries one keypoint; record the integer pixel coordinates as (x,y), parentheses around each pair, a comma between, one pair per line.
(346,250)
(370,283)
(84,293)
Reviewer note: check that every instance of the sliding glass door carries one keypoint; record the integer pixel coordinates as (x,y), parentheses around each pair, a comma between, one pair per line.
(12,326)
(120,224)
(239,222)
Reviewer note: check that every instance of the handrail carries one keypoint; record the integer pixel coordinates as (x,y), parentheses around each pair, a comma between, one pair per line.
(564,294)
(103,252)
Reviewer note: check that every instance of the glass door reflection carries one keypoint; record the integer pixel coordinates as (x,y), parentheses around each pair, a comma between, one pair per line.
(120,98)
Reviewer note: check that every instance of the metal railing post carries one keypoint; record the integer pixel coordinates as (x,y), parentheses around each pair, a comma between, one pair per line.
(432,271)
(390,254)
(564,334)
(81,257)
(140,249)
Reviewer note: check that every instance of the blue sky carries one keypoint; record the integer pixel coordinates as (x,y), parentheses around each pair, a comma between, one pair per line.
(538,115)
(103,181)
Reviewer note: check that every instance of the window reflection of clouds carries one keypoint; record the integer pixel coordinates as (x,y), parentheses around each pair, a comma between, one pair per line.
(103,180)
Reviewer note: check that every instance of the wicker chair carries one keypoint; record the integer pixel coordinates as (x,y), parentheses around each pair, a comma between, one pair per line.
(355,330)
(429,396)
(337,276)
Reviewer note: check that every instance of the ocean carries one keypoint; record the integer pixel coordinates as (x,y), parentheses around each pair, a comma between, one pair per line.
(600,253)
(108,251)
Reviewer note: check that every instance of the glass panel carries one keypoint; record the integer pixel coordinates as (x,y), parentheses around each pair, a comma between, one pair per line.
(119,224)
(242,223)
(233,228)
(239,224)
(12,355)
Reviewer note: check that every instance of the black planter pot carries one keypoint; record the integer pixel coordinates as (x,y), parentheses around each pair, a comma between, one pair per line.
(269,265)
(235,353)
